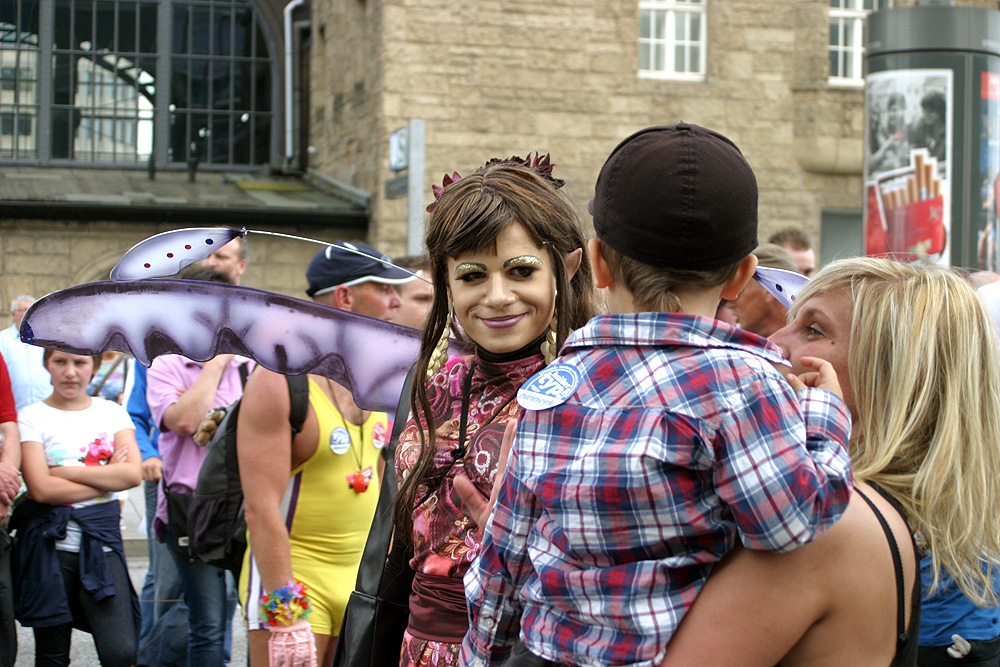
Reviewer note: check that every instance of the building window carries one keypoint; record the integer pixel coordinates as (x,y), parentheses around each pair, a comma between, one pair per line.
(672,38)
(19,51)
(221,83)
(17,78)
(87,71)
(8,121)
(847,38)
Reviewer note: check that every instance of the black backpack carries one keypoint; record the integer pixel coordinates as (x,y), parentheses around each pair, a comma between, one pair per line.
(215,523)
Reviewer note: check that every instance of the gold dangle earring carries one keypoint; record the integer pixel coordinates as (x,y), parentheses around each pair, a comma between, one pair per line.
(549,346)
(440,354)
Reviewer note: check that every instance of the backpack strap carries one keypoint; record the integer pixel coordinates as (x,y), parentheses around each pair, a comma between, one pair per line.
(380,570)
(298,392)
(244,370)
(399,423)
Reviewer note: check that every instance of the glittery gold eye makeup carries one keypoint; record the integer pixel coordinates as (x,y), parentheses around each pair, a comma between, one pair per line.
(523,260)
(468,267)
(503,297)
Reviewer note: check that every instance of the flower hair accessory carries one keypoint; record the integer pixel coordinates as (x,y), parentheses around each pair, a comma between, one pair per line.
(438,189)
(285,605)
(540,164)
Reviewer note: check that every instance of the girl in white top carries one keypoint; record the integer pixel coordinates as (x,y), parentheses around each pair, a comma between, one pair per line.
(78,451)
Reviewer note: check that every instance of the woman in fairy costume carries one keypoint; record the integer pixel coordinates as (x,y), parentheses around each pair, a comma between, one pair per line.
(507,260)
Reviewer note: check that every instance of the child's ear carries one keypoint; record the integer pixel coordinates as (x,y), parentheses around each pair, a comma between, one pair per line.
(602,272)
(744,274)
(572,261)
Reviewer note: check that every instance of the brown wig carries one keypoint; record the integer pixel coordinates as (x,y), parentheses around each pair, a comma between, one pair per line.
(469,217)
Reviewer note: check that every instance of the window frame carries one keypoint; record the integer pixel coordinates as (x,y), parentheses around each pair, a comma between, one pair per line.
(669,11)
(855,16)
(261,151)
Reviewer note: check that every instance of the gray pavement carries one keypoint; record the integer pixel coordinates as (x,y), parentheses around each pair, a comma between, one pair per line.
(82,653)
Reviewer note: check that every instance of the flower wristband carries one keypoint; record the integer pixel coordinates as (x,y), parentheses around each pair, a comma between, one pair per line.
(285,605)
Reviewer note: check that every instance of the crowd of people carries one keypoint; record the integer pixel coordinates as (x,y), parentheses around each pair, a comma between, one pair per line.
(645,459)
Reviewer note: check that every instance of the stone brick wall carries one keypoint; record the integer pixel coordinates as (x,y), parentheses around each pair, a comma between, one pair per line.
(346,98)
(560,76)
(40,257)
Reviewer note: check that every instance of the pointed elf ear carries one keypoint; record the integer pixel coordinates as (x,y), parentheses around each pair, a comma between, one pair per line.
(572,261)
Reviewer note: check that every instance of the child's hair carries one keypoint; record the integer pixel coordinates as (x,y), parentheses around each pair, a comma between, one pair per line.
(653,288)
(924,370)
(48,351)
(469,217)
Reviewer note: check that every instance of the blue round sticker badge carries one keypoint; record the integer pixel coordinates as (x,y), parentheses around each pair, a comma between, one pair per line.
(340,440)
(549,387)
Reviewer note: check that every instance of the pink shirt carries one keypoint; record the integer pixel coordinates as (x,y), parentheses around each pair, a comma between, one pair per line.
(168,378)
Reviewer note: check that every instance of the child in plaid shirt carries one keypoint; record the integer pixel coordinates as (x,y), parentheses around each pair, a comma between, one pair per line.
(661,435)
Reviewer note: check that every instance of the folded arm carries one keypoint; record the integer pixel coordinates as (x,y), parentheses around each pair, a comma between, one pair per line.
(47,488)
(188,411)
(122,472)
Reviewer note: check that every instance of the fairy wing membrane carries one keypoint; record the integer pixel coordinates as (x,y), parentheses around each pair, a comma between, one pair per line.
(200,320)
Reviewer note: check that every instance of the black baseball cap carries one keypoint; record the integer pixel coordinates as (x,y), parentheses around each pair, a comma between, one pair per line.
(341,264)
(678,196)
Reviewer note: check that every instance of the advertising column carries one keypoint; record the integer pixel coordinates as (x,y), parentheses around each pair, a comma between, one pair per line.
(931,146)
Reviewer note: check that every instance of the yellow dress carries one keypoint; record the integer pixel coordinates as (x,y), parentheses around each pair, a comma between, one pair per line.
(327,520)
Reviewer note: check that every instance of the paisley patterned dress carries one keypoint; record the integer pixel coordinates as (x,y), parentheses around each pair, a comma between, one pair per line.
(445,539)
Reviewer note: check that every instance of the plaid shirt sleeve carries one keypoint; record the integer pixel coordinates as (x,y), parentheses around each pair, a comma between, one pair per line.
(783,465)
(496,576)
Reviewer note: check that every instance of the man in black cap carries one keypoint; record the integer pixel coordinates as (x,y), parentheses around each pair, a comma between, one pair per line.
(660,436)
(311,526)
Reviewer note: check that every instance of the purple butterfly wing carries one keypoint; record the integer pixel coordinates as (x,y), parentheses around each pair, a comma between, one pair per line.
(167,253)
(781,284)
(202,319)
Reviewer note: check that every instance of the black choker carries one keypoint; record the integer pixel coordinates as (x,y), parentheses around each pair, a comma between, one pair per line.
(529,350)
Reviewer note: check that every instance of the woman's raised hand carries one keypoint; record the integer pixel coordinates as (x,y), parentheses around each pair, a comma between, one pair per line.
(478,508)
(822,377)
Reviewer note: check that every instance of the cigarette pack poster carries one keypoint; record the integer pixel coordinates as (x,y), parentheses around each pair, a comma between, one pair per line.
(908,165)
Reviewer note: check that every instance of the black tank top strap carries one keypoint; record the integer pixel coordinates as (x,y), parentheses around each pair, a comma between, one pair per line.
(897,564)
(905,647)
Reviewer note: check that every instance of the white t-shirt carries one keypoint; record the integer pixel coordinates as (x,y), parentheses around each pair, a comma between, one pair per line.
(75,438)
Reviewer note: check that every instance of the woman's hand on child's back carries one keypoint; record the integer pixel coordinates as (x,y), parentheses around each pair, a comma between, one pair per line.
(822,377)
(478,508)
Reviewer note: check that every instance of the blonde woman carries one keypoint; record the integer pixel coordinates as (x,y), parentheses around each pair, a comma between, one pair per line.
(917,357)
